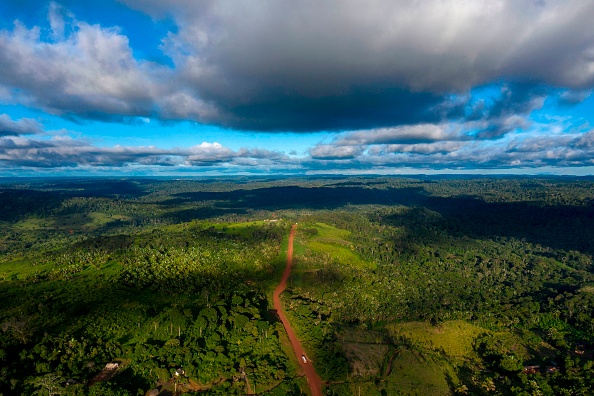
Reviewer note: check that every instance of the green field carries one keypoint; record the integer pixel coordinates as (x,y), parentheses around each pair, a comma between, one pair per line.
(455,338)
(333,242)
(73,222)
(416,373)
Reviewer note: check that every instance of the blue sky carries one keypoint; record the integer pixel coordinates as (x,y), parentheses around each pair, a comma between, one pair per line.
(182,87)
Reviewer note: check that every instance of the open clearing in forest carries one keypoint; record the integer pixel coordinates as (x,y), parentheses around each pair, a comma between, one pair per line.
(366,350)
(244,229)
(455,338)
(332,241)
(415,373)
(75,221)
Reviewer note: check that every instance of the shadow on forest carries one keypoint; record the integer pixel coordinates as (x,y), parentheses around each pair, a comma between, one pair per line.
(18,203)
(295,197)
(96,188)
(201,213)
(560,227)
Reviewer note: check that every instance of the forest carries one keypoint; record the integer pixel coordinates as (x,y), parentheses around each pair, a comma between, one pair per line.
(400,286)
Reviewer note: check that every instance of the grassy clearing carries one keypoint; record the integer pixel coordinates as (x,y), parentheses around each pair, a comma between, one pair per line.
(415,373)
(367,388)
(76,221)
(455,338)
(21,269)
(412,373)
(33,224)
(244,229)
(332,241)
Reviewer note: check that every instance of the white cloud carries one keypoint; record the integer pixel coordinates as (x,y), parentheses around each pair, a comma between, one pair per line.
(56,14)
(320,48)
(315,65)
(585,141)
(404,134)
(303,66)
(62,150)
(91,72)
(24,126)
(208,153)
(327,151)
(457,42)
(575,96)
(420,148)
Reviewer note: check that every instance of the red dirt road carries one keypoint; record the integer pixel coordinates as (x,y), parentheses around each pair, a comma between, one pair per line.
(313,379)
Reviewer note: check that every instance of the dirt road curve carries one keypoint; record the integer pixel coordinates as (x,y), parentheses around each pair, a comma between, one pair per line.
(314,381)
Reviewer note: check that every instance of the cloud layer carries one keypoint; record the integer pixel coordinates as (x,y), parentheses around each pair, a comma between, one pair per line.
(301,66)
(429,84)
(61,150)
(427,147)
(350,65)
(24,126)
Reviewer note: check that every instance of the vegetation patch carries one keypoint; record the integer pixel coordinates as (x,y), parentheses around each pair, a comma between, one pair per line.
(455,338)
(332,242)
(365,360)
(415,373)
(71,222)
(587,289)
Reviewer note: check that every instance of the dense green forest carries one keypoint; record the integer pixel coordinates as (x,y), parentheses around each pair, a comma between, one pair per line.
(400,285)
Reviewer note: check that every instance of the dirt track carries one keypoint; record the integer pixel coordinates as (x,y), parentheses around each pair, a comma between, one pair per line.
(314,381)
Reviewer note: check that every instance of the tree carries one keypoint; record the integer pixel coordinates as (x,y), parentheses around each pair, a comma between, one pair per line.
(49,384)
(20,328)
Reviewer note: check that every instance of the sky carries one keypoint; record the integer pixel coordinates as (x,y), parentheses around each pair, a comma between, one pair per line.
(240,87)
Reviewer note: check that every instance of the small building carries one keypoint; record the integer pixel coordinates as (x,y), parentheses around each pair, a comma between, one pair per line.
(531,369)
(112,366)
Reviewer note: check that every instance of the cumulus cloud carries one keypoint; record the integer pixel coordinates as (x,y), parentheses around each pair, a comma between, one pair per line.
(426,84)
(422,148)
(585,141)
(307,66)
(260,153)
(210,153)
(92,73)
(572,97)
(421,133)
(24,126)
(62,150)
(464,42)
(439,147)
(348,65)
(56,16)
(522,150)
(327,151)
